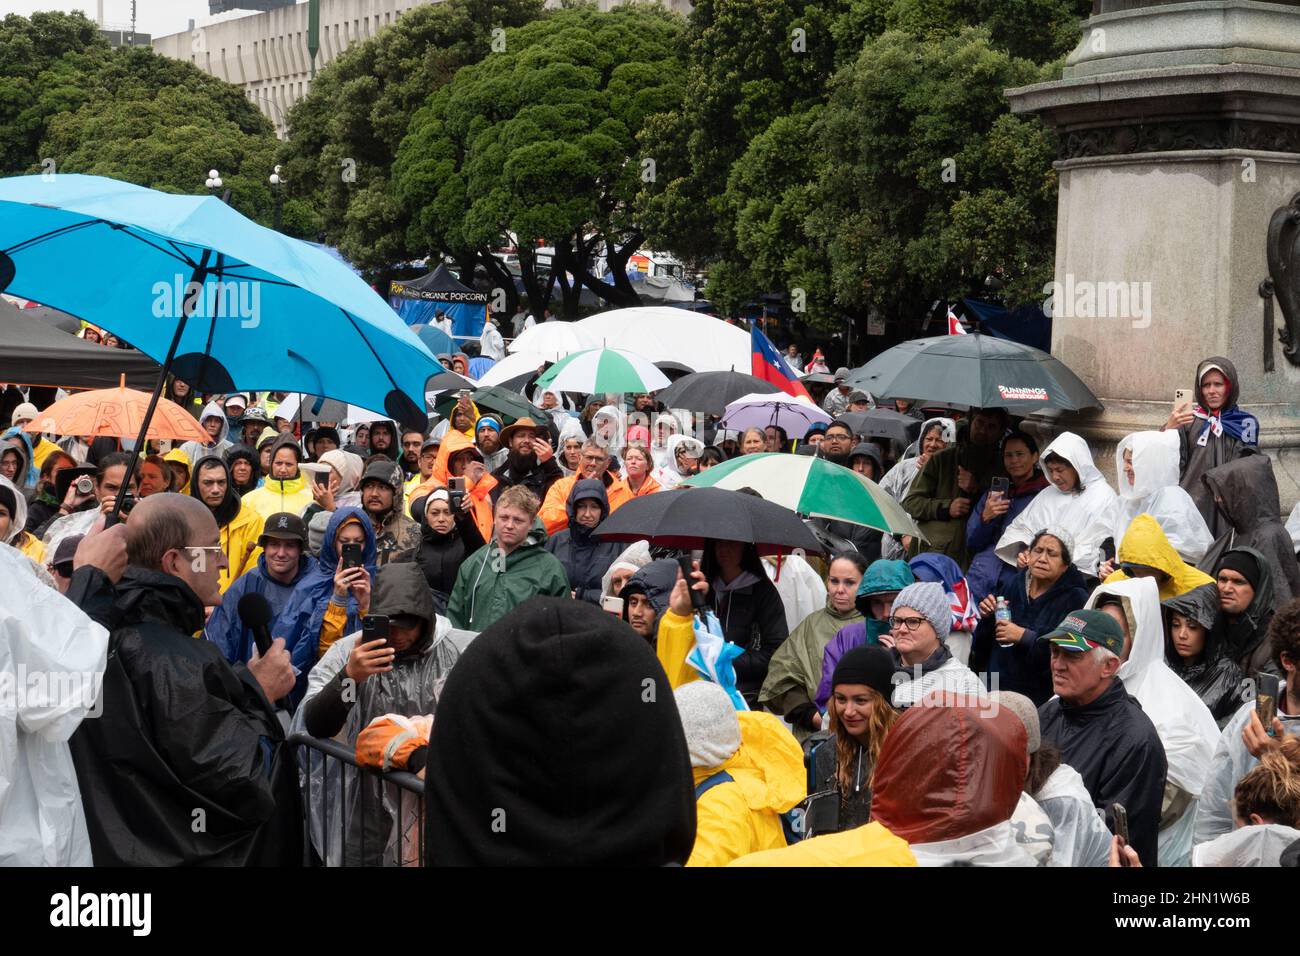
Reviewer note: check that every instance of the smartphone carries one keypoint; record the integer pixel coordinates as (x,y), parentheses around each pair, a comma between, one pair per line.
(698,600)
(1182,395)
(456,484)
(1119,816)
(351,555)
(1266,710)
(1001,485)
(374,627)
(614,605)
(321,478)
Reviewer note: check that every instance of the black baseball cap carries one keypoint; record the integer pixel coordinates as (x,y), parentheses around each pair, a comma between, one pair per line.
(284,526)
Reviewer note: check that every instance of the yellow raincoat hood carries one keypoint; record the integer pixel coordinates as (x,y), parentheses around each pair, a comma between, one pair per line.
(1145,543)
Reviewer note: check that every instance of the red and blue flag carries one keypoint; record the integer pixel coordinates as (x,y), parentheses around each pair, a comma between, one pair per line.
(771,366)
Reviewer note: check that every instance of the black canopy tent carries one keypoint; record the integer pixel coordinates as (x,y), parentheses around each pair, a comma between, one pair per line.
(418,300)
(34,352)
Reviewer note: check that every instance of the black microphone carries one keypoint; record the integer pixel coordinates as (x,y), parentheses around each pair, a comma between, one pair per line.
(255,612)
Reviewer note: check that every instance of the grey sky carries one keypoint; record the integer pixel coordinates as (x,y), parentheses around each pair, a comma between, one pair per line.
(157,17)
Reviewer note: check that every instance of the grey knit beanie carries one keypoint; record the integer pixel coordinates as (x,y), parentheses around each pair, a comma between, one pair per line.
(930,600)
(710,722)
(1024,708)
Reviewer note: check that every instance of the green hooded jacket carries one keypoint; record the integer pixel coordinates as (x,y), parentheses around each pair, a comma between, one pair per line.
(796,668)
(489,584)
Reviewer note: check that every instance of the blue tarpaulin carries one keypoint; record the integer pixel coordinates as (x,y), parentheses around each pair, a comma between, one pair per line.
(1025,324)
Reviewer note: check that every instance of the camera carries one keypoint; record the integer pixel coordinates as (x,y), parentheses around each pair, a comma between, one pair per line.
(84,485)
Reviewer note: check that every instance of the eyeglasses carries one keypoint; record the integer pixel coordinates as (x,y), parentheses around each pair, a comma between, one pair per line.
(205,550)
(905,623)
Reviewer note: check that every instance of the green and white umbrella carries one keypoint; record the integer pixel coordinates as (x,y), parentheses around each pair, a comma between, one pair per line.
(603,370)
(813,487)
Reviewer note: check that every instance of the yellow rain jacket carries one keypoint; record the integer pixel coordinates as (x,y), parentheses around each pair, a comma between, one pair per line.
(743,816)
(675,640)
(239,541)
(1145,543)
(291,495)
(31,546)
(870,845)
(177,455)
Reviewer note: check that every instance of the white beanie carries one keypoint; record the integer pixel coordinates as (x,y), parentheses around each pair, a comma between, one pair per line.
(23,413)
(710,722)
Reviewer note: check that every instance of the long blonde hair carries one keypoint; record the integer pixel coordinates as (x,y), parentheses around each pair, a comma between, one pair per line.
(882,718)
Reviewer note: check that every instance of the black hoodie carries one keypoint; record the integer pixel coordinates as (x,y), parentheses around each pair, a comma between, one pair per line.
(1214,676)
(439,556)
(250,456)
(585,557)
(558,743)
(1250,511)
(1195,460)
(656,581)
(229,507)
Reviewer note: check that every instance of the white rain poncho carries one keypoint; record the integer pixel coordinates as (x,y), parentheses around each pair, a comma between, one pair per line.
(802,589)
(571,428)
(1260,845)
(992,846)
(1079,835)
(609,428)
(1155,491)
(634,557)
(667,474)
(1231,762)
(898,480)
(1186,727)
(1293,527)
(195,450)
(43,635)
(665,427)
(411,688)
(1086,515)
(1032,830)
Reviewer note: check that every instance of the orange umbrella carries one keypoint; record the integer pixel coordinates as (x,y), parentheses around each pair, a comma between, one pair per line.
(117,413)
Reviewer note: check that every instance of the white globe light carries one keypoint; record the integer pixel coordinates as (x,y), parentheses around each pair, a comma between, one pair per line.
(275,179)
(213,174)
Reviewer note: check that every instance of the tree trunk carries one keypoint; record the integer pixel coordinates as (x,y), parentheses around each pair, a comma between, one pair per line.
(538,295)
(562,265)
(501,279)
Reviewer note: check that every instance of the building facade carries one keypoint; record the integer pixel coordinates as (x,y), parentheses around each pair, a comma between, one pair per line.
(266,53)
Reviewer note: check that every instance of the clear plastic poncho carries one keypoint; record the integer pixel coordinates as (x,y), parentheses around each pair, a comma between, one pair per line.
(1155,491)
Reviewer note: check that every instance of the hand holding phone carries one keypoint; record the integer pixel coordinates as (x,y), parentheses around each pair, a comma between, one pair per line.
(351,556)
(614,605)
(1119,817)
(698,600)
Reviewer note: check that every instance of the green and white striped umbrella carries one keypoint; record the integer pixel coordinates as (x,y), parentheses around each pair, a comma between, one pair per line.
(603,370)
(813,487)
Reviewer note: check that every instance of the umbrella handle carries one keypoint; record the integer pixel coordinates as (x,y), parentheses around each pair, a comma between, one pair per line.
(200,276)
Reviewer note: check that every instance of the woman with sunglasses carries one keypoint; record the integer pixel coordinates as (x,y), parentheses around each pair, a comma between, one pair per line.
(923,664)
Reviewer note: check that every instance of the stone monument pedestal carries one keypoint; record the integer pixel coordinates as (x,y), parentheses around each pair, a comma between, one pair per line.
(1179,126)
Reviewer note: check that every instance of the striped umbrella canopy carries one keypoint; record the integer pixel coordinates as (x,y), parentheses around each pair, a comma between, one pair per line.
(813,487)
(603,370)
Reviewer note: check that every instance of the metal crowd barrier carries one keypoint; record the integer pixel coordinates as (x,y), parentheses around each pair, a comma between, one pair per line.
(351,835)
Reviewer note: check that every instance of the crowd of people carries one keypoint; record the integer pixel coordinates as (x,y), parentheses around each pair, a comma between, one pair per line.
(1056,671)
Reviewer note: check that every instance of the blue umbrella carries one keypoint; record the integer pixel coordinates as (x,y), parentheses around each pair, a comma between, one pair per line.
(438,341)
(225,304)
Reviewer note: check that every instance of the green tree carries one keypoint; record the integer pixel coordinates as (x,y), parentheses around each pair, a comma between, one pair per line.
(927,181)
(345,133)
(538,142)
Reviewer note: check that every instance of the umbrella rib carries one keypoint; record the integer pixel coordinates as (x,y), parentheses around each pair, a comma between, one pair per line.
(378,360)
(52,234)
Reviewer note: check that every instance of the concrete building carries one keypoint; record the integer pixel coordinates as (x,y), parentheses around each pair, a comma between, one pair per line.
(266,53)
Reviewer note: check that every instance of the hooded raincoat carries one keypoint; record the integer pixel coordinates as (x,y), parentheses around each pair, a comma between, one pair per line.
(491,583)
(554,514)
(227,630)
(16,537)
(1213,675)
(1247,497)
(1155,491)
(1259,845)
(743,815)
(1196,458)
(349,467)
(194,450)
(668,475)
(1245,639)
(584,556)
(1230,763)
(1186,728)
(277,495)
(897,482)
(869,845)
(28,471)
(411,689)
(42,822)
(1079,835)
(948,781)
(244,453)
(1145,543)
(795,670)
(1087,514)
(802,589)
(304,613)
(240,525)
(480,493)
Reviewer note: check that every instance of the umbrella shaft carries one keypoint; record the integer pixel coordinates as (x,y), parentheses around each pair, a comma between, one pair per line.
(200,276)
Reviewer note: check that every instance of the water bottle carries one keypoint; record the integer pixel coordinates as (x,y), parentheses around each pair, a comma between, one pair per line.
(1002,613)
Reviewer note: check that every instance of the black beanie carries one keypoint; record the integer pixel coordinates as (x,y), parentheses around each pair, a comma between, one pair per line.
(9,501)
(558,742)
(870,665)
(1243,564)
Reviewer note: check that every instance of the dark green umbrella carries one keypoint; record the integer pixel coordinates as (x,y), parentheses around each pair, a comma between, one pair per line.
(509,405)
(883,423)
(974,371)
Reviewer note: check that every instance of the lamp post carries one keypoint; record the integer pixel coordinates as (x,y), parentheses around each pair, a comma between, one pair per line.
(213,182)
(277,190)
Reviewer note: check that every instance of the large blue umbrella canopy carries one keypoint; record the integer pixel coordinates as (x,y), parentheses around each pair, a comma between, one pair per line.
(268,311)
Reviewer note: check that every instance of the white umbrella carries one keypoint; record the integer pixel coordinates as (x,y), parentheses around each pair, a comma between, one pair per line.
(330,411)
(513,365)
(552,340)
(793,413)
(664,334)
(603,371)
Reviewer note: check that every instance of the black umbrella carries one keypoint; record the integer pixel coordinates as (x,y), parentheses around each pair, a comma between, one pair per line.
(510,405)
(60,320)
(687,518)
(817,378)
(883,423)
(446,380)
(712,392)
(974,371)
